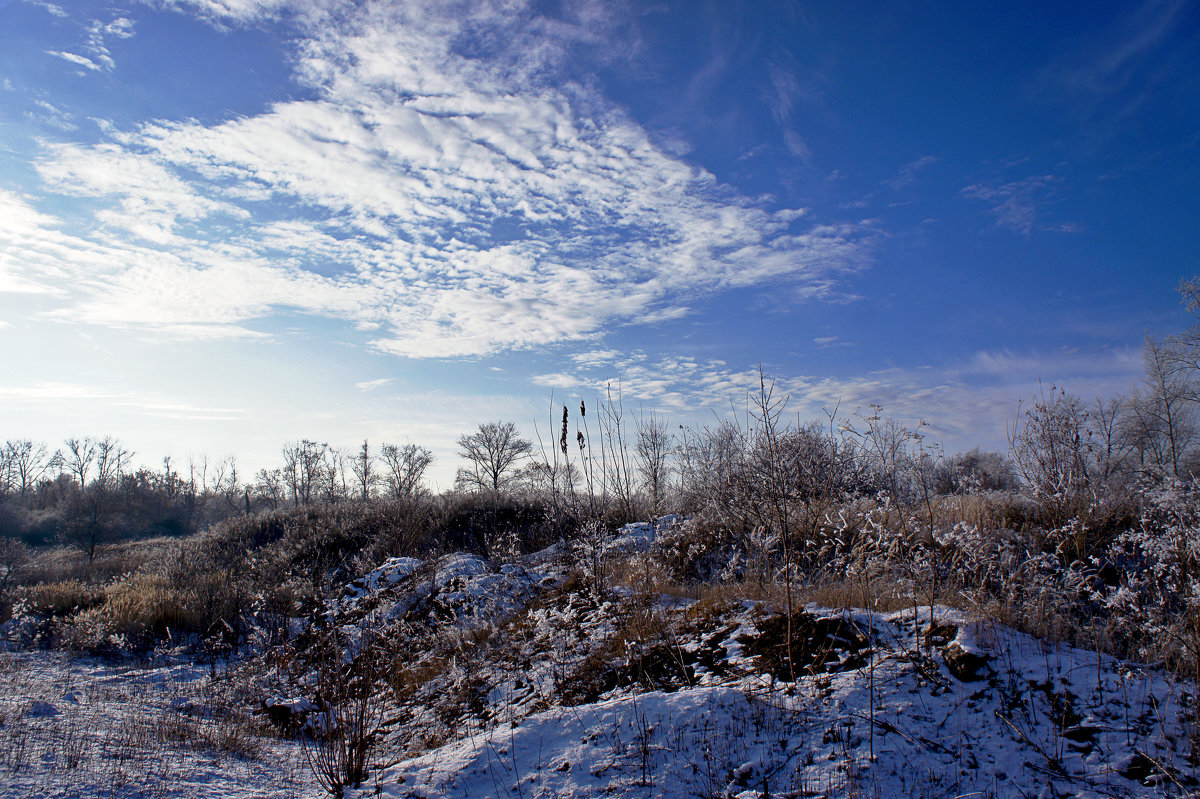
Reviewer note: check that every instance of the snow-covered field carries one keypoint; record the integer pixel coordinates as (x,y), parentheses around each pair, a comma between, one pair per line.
(521,680)
(80,727)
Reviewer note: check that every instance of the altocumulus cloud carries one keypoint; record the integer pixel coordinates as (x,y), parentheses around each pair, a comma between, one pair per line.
(444,187)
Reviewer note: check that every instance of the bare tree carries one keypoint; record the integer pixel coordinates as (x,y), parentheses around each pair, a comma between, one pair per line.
(1166,406)
(332,475)
(303,465)
(228,485)
(22,464)
(270,488)
(78,459)
(1185,348)
(654,442)
(494,452)
(711,464)
(614,452)
(406,466)
(172,485)
(364,473)
(1111,445)
(886,447)
(112,460)
(97,465)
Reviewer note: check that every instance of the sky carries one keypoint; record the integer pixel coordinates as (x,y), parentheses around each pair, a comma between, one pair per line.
(230,224)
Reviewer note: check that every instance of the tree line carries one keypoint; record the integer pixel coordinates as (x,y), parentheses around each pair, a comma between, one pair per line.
(1070,457)
(87,491)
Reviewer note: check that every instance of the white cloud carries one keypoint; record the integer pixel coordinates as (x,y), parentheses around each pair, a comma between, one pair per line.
(964,404)
(1020,205)
(370,385)
(75,58)
(150,197)
(907,176)
(194,290)
(454,204)
(797,146)
(54,10)
(47,114)
(595,357)
(99,57)
(239,11)
(119,28)
(40,394)
(30,249)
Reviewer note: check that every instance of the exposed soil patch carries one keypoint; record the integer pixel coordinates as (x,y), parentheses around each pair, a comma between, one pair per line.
(818,645)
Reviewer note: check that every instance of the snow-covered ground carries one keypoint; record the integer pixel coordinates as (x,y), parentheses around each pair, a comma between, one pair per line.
(991,713)
(617,697)
(80,727)
(521,680)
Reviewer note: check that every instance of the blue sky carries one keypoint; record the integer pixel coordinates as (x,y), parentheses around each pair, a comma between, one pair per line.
(225,224)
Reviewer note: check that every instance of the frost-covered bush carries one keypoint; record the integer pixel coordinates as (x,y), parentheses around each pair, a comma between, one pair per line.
(1050,448)
(1158,599)
(692,550)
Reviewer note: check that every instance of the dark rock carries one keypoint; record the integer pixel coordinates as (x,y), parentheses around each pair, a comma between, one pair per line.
(966,666)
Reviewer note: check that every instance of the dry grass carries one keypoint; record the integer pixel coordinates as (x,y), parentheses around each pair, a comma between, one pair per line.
(63,563)
(881,595)
(644,575)
(146,604)
(59,598)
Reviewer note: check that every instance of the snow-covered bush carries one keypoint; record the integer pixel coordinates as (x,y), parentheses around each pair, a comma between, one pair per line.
(1158,599)
(692,550)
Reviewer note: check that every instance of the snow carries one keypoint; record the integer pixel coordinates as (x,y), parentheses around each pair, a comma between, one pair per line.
(520,679)
(618,747)
(1039,719)
(392,571)
(82,728)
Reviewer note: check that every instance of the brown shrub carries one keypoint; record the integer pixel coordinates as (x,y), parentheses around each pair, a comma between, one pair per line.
(60,598)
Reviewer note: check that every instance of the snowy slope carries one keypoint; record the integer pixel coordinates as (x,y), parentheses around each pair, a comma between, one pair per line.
(522,680)
(962,707)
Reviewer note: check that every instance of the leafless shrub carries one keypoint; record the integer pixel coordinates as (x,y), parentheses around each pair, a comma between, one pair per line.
(340,746)
(1050,445)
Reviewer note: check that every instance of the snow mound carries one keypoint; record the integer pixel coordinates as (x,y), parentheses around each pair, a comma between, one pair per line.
(460,589)
(390,572)
(676,744)
(639,536)
(978,707)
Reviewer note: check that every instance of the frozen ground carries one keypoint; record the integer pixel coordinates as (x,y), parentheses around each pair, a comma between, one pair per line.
(520,680)
(575,696)
(72,727)
(991,713)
